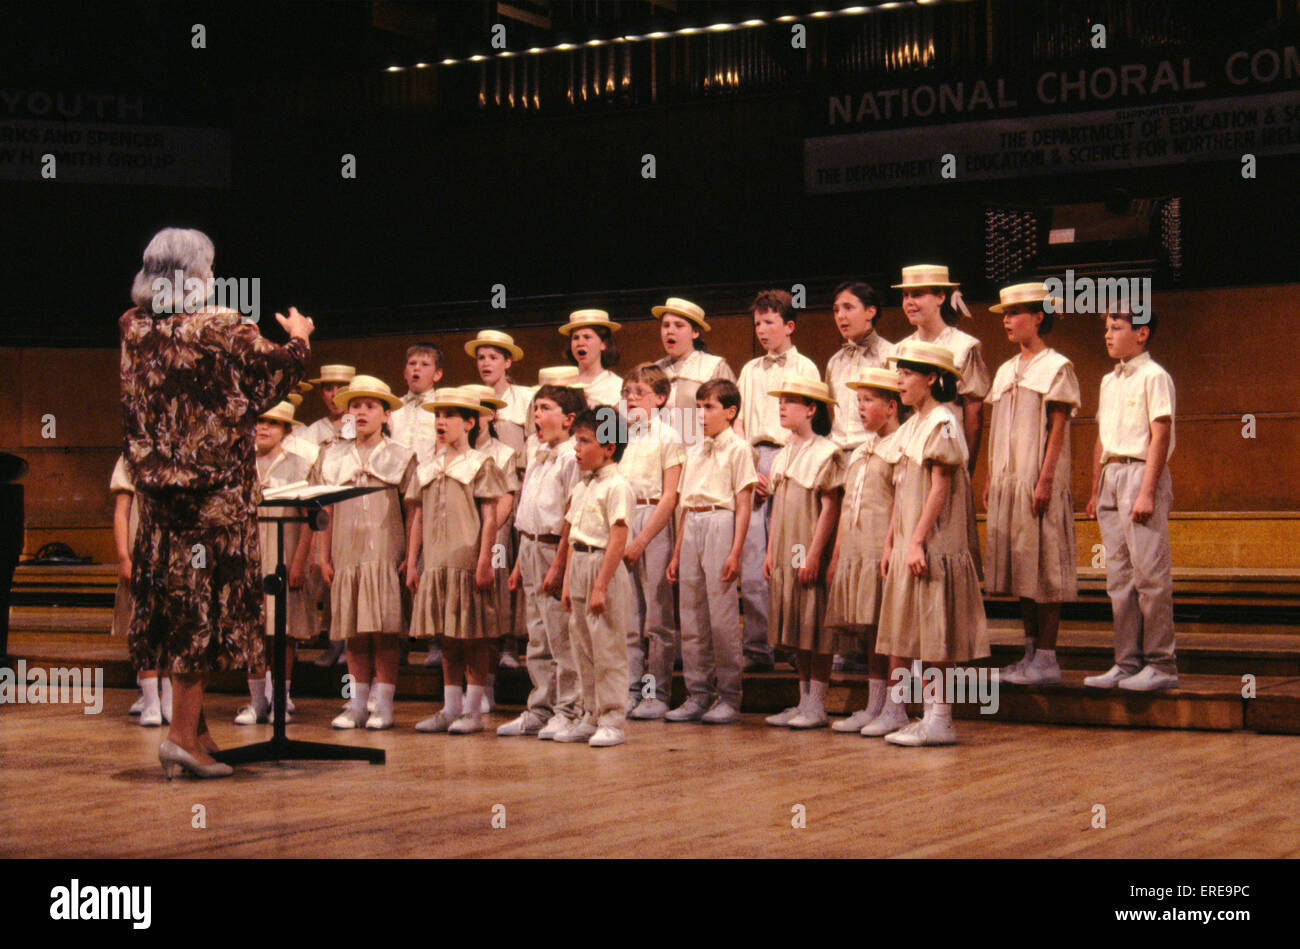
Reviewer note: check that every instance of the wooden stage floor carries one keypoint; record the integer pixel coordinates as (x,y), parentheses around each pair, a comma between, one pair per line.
(77,785)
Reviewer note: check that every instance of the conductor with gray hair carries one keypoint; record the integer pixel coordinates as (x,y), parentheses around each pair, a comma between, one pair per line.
(195,377)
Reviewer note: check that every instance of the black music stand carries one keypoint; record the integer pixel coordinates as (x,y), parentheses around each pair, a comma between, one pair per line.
(281,748)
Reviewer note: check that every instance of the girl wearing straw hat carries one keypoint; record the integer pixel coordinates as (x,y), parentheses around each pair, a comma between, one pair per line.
(806,477)
(931,608)
(494,352)
(1030,550)
(276,468)
(510,463)
(853,598)
(926,288)
(593,350)
(363,548)
(686,361)
(453,500)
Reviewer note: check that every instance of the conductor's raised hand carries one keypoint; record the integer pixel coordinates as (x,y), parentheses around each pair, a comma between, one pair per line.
(295,324)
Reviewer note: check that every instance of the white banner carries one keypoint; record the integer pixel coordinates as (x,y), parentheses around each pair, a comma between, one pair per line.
(1209,130)
(83,153)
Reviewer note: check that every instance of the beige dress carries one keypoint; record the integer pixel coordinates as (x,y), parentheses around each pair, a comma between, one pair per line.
(508,464)
(686,376)
(301,618)
(967,354)
(369,536)
(800,474)
(605,389)
(938,617)
(120,483)
(853,601)
(449,490)
(1028,555)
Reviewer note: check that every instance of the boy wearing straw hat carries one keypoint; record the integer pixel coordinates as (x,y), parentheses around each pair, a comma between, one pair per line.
(408,425)
(759,423)
(926,288)
(276,468)
(554,704)
(1131,497)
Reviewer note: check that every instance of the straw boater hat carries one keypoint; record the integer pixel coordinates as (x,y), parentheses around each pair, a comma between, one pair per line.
(365,386)
(580,318)
(280,412)
(455,398)
(566,376)
(303,387)
(342,374)
(875,378)
(920,276)
(927,354)
(485,395)
(294,398)
(494,338)
(1024,293)
(805,388)
(683,308)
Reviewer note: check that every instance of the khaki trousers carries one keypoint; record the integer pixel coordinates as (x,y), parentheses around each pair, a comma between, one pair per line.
(652,619)
(710,609)
(600,642)
(1139,568)
(549,657)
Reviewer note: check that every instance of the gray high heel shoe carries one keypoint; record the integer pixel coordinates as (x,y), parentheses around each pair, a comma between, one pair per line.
(173,757)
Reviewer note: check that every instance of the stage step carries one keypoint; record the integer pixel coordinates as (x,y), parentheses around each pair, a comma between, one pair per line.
(1211,702)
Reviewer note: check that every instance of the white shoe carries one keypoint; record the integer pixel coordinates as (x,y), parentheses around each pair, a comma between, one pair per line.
(810,717)
(722,713)
(137,706)
(558,725)
(633,700)
(467,724)
(433,657)
(892,718)
(1014,673)
(607,737)
(485,707)
(1041,672)
(928,731)
(349,719)
(692,710)
(509,660)
(1107,680)
(289,706)
(377,722)
(783,719)
(854,723)
(649,709)
(151,717)
(250,716)
(372,703)
(1150,679)
(439,721)
(525,724)
(578,731)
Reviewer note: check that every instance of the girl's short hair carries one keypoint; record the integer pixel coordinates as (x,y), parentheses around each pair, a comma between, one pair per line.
(473,418)
(868,295)
(608,356)
(821,420)
(944,389)
(904,412)
(651,375)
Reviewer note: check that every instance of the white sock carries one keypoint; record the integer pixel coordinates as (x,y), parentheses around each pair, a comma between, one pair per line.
(165,696)
(257,692)
(876,690)
(474,699)
(803,693)
(817,695)
(453,697)
(360,695)
(384,692)
(1045,657)
(270,687)
(149,689)
(940,713)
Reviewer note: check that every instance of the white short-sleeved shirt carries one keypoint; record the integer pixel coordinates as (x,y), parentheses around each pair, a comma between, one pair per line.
(651,450)
(1133,395)
(548,482)
(845,367)
(716,470)
(605,389)
(601,500)
(517,399)
(323,431)
(760,413)
(413,427)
